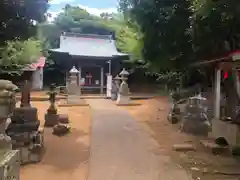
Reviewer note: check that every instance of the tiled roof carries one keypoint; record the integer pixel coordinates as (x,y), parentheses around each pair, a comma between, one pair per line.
(88,45)
(39,64)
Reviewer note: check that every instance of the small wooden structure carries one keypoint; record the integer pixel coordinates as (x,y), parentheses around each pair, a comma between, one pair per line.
(225,128)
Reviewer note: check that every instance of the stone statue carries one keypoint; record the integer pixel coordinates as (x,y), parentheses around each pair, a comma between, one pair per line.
(51,117)
(52,100)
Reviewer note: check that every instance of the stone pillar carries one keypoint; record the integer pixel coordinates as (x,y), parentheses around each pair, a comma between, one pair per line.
(102,80)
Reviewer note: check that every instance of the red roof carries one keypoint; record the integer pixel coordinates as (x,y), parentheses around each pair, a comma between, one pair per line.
(39,64)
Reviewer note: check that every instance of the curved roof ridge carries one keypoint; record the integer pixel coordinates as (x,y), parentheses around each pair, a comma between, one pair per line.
(95,36)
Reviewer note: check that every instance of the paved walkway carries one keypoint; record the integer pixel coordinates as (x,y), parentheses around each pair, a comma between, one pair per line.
(120,150)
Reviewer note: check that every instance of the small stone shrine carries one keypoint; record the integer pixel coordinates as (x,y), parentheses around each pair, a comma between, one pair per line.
(115,88)
(24,130)
(9,165)
(195,120)
(123,94)
(51,117)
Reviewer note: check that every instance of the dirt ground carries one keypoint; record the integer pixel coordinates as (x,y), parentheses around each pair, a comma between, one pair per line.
(203,165)
(65,157)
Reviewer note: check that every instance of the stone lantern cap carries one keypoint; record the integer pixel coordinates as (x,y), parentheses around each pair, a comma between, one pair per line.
(124,72)
(74,70)
(8,86)
(117,78)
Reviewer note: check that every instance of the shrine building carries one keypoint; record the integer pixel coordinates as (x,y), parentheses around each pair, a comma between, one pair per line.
(94,56)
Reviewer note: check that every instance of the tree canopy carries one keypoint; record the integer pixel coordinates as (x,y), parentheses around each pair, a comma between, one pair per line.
(18,27)
(176,33)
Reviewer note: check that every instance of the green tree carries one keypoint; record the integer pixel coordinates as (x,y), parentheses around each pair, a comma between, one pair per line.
(18,23)
(215,27)
(76,19)
(164,26)
(16,54)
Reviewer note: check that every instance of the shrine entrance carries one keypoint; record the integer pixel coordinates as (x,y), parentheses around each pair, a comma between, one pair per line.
(91,79)
(94,56)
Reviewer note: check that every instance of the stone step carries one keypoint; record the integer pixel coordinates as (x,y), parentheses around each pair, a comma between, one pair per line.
(185,147)
(214,148)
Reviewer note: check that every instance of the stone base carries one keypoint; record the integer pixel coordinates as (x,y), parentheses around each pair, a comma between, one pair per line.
(195,127)
(51,120)
(77,102)
(23,127)
(114,97)
(30,145)
(123,100)
(24,114)
(74,99)
(63,119)
(9,165)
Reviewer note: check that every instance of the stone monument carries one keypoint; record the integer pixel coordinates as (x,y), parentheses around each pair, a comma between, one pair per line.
(73,89)
(195,120)
(123,94)
(115,88)
(51,117)
(9,166)
(24,130)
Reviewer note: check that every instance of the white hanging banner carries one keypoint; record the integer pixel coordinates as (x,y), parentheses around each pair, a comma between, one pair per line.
(109,86)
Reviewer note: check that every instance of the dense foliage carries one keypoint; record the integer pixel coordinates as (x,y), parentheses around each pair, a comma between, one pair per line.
(177,32)
(18,23)
(16,54)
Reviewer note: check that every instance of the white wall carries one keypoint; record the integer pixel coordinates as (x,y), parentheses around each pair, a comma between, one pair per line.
(37,79)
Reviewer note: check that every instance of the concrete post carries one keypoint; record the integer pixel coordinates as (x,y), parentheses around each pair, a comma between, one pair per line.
(217,94)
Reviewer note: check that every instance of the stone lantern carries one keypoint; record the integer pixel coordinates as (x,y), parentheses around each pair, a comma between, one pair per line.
(124,74)
(73,88)
(123,94)
(9,168)
(115,88)
(73,75)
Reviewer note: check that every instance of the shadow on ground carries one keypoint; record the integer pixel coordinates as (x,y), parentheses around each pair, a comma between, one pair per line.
(65,152)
